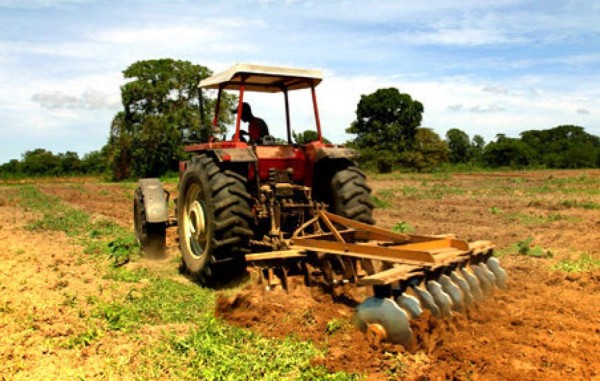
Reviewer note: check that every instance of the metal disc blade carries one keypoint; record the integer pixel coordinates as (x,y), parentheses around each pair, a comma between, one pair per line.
(389,315)
(486,286)
(453,292)
(411,305)
(464,287)
(473,284)
(442,300)
(488,273)
(428,301)
(494,265)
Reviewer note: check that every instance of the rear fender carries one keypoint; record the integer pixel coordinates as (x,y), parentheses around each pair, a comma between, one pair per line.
(336,152)
(155,200)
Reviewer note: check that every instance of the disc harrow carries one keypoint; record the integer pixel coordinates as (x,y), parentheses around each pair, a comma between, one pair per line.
(407,273)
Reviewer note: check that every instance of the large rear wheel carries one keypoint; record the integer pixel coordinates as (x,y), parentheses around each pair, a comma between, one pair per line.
(350,195)
(214,222)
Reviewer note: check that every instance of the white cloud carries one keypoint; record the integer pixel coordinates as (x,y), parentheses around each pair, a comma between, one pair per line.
(90,99)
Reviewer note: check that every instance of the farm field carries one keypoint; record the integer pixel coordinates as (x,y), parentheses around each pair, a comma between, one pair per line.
(77,302)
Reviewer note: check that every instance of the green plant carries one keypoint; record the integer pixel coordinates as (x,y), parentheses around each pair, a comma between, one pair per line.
(84,339)
(119,317)
(333,326)
(122,249)
(402,227)
(524,247)
(495,210)
(379,203)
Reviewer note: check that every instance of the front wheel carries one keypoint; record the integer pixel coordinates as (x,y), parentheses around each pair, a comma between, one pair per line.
(150,236)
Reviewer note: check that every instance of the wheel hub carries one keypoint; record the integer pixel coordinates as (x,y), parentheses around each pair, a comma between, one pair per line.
(195,226)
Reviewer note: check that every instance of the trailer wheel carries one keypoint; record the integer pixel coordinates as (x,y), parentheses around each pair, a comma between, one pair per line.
(150,236)
(214,222)
(350,195)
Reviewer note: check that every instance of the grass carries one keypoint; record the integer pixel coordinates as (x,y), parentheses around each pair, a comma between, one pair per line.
(533,219)
(97,236)
(214,351)
(381,203)
(210,350)
(585,263)
(589,205)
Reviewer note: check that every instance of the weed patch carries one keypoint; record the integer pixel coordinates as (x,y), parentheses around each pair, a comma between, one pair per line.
(525,247)
(84,339)
(589,205)
(402,227)
(585,263)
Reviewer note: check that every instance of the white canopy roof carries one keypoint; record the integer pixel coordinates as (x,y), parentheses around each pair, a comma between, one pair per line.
(269,79)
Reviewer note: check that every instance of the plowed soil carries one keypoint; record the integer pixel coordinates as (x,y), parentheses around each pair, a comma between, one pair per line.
(546,326)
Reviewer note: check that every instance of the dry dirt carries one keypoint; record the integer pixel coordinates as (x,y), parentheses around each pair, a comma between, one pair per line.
(546,326)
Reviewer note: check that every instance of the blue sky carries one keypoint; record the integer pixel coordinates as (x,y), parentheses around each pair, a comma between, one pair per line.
(486,67)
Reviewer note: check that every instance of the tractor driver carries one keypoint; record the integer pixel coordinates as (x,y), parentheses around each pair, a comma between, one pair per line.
(257,128)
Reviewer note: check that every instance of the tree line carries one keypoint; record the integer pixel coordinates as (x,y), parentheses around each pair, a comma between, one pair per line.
(161,114)
(388,135)
(41,162)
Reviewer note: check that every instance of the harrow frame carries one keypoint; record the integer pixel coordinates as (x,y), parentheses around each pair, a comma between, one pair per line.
(333,251)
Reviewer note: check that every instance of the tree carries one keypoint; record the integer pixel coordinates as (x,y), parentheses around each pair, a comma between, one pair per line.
(564,146)
(477,149)
(459,145)
(40,162)
(387,120)
(69,162)
(307,136)
(430,150)
(509,152)
(95,162)
(386,124)
(13,166)
(160,110)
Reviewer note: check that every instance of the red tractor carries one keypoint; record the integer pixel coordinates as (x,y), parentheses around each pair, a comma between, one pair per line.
(236,196)
(304,209)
